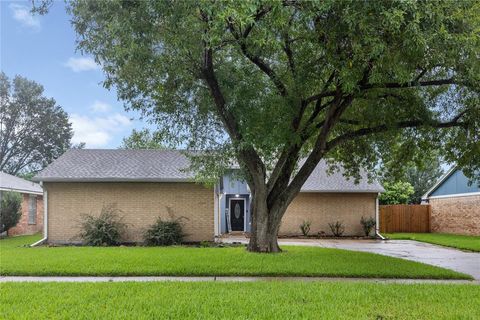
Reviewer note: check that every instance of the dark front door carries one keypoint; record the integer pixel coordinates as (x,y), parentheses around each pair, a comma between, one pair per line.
(237,214)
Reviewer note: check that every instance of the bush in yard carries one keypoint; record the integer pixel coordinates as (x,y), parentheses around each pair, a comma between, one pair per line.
(104,230)
(367,224)
(337,228)
(10,210)
(396,193)
(164,233)
(305,227)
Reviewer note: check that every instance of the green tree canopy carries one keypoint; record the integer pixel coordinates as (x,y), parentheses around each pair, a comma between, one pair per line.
(34,130)
(396,193)
(142,139)
(281,85)
(421,173)
(10,210)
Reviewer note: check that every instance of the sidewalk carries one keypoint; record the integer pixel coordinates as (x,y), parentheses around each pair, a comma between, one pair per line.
(230,279)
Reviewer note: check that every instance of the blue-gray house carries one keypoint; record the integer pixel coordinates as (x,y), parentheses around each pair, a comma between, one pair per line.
(455,204)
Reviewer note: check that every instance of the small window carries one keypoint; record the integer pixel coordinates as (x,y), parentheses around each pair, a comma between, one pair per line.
(32,210)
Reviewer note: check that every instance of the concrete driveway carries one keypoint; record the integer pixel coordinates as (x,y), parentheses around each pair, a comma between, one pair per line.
(461,261)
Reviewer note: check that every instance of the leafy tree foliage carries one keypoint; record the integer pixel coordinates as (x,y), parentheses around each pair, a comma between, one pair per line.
(422,179)
(281,85)
(421,174)
(34,130)
(396,193)
(142,139)
(10,210)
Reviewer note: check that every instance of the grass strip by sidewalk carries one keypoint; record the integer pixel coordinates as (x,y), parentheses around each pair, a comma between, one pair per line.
(193,261)
(471,243)
(265,300)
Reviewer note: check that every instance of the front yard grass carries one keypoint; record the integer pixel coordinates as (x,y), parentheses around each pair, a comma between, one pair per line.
(258,300)
(193,261)
(471,243)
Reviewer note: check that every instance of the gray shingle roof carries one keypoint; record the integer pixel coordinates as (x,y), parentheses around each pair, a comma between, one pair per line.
(12,183)
(117,165)
(168,166)
(321,181)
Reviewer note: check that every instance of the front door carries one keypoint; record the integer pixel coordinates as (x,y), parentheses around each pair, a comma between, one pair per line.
(237,214)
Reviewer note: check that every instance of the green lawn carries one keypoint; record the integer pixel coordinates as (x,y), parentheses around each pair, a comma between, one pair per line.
(471,243)
(259,300)
(192,261)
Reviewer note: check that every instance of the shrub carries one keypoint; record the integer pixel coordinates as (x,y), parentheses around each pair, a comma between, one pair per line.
(104,230)
(164,233)
(396,193)
(337,228)
(10,210)
(305,227)
(367,224)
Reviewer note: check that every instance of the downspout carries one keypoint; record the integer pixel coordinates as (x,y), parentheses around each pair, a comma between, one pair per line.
(45,219)
(377,219)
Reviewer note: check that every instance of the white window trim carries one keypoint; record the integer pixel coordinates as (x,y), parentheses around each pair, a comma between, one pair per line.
(457,195)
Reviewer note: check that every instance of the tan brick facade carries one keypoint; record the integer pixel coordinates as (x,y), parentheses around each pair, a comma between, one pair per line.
(23,226)
(324,208)
(459,215)
(141,204)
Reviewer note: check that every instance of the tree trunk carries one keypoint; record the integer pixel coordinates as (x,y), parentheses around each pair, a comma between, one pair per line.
(265,225)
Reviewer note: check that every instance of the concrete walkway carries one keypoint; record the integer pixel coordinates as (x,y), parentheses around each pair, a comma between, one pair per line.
(449,258)
(230,279)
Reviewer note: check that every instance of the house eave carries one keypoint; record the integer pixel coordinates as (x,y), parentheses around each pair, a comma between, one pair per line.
(341,191)
(111,179)
(453,195)
(21,191)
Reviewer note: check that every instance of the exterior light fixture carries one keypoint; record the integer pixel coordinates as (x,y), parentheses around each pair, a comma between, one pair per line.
(237,195)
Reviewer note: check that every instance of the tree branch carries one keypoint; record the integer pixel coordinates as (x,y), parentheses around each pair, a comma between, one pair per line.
(388,85)
(399,125)
(259,62)
(411,84)
(247,155)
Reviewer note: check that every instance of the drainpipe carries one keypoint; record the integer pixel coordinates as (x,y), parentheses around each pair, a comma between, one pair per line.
(377,219)
(45,219)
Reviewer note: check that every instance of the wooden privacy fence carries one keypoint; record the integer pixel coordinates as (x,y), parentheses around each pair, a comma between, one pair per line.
(405,218)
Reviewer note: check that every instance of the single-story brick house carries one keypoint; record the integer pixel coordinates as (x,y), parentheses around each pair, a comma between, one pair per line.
(145,184)
(31,221)
(455,204)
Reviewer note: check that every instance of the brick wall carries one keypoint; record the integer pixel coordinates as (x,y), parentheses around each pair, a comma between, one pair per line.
(141,203)
(323,208)
(23,227)
(460,215)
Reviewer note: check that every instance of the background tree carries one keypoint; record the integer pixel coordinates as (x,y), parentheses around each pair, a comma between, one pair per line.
(142,139)
(34,130)
(421,174)
(10,210)
(396,192)
(281,85)
(422,179)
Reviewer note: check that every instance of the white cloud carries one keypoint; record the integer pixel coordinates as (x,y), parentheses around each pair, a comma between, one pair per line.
(23,15)
(82,64)
(97,131)
(99,106)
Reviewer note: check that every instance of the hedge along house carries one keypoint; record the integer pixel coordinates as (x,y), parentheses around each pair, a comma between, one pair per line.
(146,184)
(31,220)
(455,204)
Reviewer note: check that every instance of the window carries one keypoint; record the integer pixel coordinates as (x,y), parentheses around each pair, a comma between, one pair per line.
(32,209)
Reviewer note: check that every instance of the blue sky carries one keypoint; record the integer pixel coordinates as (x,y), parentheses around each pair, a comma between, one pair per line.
(42,48)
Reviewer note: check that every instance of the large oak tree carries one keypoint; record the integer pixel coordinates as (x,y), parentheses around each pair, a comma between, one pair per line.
(281,85)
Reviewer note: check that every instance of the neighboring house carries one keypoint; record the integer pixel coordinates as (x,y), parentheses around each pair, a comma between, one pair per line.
(31,220)
(145,184)
(455,204)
